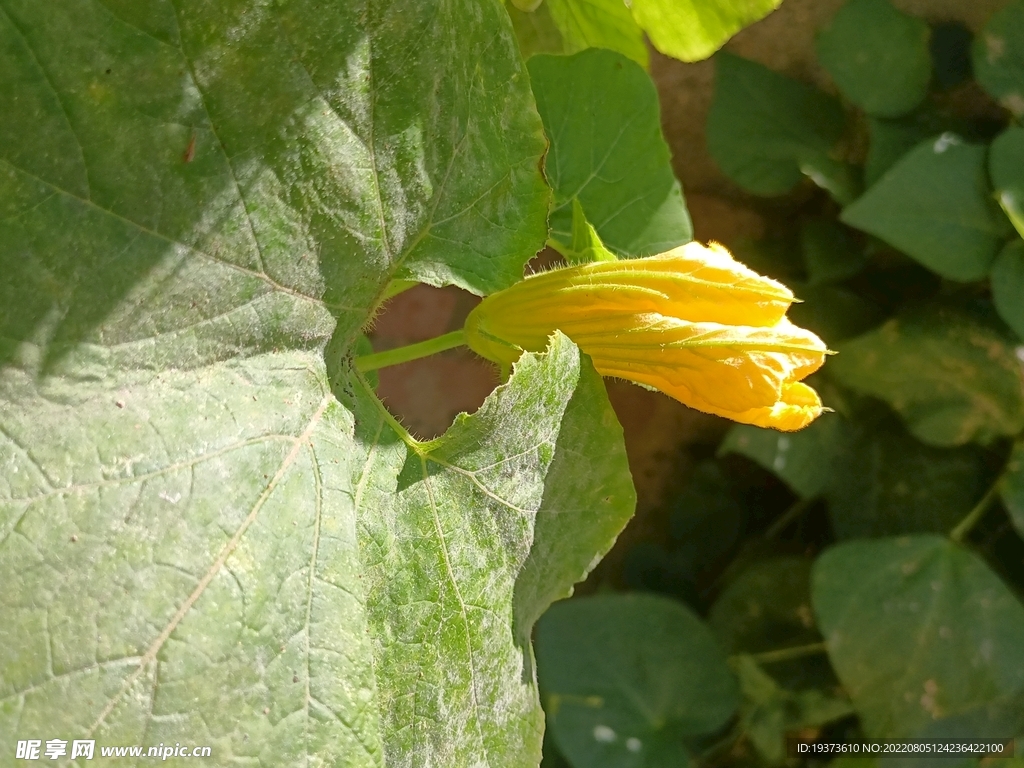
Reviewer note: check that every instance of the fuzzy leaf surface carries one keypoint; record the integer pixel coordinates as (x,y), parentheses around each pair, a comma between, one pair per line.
(210,530)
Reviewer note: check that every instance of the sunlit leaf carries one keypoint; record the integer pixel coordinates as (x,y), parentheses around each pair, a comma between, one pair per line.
(600,111)
(211,531)
(599,24)
(692,30)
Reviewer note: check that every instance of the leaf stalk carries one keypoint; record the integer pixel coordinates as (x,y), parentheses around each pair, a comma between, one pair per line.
(410,352)
(977,512)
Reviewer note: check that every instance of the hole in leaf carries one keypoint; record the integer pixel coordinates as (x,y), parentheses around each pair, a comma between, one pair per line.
(426,395)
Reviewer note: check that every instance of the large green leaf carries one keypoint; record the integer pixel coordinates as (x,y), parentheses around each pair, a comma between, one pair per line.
(600,111)
(1006,167)
(1008,286)
(692,30)
(288,570)
(877,56)
(920,630)
(952,375)
(599,24)
(767,607)
(935,206)
(467,540)
(208,532)
(767,131)
(627,679)
(998,55)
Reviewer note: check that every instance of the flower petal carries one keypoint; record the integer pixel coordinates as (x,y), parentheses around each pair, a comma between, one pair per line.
(693,323)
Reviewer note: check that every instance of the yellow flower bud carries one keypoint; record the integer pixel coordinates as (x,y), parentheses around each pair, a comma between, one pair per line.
(692,322)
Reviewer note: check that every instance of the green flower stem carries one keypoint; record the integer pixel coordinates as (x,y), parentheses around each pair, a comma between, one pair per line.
(785,654)
(411,352)
(964,526)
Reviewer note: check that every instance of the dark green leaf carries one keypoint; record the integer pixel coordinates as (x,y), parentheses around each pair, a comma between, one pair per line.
(918,629)
(238,198)
(998,54)
(935,206)
(831,251)
(1006,167)
(892,139)
(802,459)
(692,30)
(1012,488)
(833,312)
(627,679)
(950,47)
(954,377)
(1008,286)
(765,130)
(599,24)
(768,606)
(706,521)
(600,111)
(877,56)
(884,482)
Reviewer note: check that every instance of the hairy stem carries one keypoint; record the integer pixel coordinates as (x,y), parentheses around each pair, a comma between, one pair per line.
(785,654)
(411,351)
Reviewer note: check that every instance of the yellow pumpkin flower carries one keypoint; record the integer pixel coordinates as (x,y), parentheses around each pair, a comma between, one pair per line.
(693,323)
